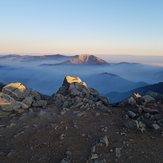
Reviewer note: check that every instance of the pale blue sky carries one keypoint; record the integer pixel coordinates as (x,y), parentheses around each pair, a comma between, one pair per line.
(82,26)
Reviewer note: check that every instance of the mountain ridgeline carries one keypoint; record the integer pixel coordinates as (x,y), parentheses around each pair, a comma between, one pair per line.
(86,59)
(81,60)
(107,82)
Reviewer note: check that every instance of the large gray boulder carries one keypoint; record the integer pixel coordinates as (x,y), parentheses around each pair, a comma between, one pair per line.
(148,99)
(157,96)
(16,90)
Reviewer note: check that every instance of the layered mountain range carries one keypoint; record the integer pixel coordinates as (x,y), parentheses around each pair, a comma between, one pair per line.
(77,59)
(81,60)
(112,79)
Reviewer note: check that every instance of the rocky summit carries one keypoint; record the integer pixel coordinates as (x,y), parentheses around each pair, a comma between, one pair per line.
(74,93)
(78,125)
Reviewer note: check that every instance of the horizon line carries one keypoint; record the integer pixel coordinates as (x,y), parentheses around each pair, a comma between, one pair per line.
(69,54)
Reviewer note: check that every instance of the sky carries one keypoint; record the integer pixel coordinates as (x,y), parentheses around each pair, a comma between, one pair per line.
(132,27)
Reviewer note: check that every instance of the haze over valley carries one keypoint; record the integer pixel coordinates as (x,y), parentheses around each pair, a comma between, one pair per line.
(45,73)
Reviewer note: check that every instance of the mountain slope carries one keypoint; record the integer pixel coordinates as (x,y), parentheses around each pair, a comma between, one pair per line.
(118,96)
(82,60)
(107,82)
(86,59)
(159,75)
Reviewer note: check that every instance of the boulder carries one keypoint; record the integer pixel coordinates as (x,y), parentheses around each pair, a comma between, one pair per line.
(35,95)
(148,99)
(4,114)
(74,92)
(131,114)
(151,111)
(8,103)
(156,126)
(16,90)
(59,99)
(158,97)
(131,124)
(131,101)
(28,101)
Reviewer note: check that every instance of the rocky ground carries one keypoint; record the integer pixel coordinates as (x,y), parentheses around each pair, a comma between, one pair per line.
(77,125)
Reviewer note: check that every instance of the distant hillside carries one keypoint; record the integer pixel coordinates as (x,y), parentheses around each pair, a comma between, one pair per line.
(108,82)
(45,57)
(127,63)
(118,96)
(84,60)
(81,60)
(27,58)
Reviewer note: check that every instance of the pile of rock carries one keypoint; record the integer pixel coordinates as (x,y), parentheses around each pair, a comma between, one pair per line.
(144,111)
(17,98)
(74,93)
(137,99)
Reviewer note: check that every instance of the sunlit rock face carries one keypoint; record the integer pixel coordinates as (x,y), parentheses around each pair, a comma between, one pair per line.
(16,90)
(69,80)
(16,97)
(75,93)
(86,59)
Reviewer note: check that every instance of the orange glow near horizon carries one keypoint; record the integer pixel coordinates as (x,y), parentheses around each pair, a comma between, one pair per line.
(58,48)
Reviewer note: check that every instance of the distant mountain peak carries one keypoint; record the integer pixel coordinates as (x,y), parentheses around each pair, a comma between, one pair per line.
(86,59)
(109,74)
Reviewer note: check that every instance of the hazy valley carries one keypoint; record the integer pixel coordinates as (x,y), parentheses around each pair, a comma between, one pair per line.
(45,73)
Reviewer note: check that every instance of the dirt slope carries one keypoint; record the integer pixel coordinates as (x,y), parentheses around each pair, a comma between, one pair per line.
(46,136)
